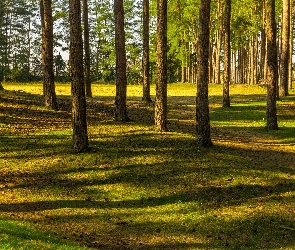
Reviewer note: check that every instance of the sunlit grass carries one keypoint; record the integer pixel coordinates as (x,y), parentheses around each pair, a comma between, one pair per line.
(139,189)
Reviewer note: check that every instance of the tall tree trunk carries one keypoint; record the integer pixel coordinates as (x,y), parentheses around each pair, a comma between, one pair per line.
(219,40)
(161,84)
(227,54)
(272,65)
(284,65)
(291,47)
(86,49)
(80,137)
(121,77)
(47,54)
(202,107)
(146,53)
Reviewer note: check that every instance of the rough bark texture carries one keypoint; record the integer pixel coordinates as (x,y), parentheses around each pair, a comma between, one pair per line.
(227,54)
(272,65)
(86,49)
(284,65)
(161,82)
(290,74)
(146,51)
(121,78)
(80,138)
(202,107)
(47,54)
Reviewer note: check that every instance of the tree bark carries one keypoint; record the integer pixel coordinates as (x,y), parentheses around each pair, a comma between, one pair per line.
(272,65)
(86,49)
(227,54)
(121,78)
(291,48)
(80,137)
(202,107)
(146,53)
(284,65)
(47,54)
(161,83)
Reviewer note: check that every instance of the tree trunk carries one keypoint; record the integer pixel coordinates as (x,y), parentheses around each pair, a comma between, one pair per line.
(146,53)
(161,84)
(86,49)
(80,137)
(47,54)
(121,77)
(284,65)
(272,65)
(227,54)
(291,47)
(202,107)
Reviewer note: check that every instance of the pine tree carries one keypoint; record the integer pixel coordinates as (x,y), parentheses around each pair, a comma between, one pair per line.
(47,54)
(121,78)
(145,55)
(161,84)
(272,65)
(80,137)
(227,54)
(202,108)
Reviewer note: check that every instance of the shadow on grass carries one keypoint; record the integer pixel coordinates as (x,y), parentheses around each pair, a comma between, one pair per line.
(180,173)
(14,236)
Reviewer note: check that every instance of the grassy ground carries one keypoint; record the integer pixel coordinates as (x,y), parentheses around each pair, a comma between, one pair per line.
(138,189)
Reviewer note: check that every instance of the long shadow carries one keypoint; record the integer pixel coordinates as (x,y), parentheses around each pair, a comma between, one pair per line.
(207,198)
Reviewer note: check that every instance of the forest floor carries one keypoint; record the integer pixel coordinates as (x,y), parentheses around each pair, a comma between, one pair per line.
(139,189)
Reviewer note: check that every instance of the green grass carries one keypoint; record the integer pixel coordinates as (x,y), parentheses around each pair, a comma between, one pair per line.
(20,237)
(139,189)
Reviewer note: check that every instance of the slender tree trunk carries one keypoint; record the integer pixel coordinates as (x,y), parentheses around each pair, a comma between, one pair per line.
(161,84)
(86,49)
(146,53)
(227,54)
(291,47)
(284,65)
(272,65)
(29,45)
(80,137)
(121,77)
(219,40)
(47,54)
(202,107)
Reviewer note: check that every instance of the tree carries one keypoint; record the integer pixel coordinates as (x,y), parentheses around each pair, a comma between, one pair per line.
(284,65)
(227,54)
(121,78)
(272,64)
(146,50)
(80,137)
(161,83)
(47,54)
(86,49)
(202,107)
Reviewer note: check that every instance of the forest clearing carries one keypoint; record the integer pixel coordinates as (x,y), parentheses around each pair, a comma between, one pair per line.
(140,189)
